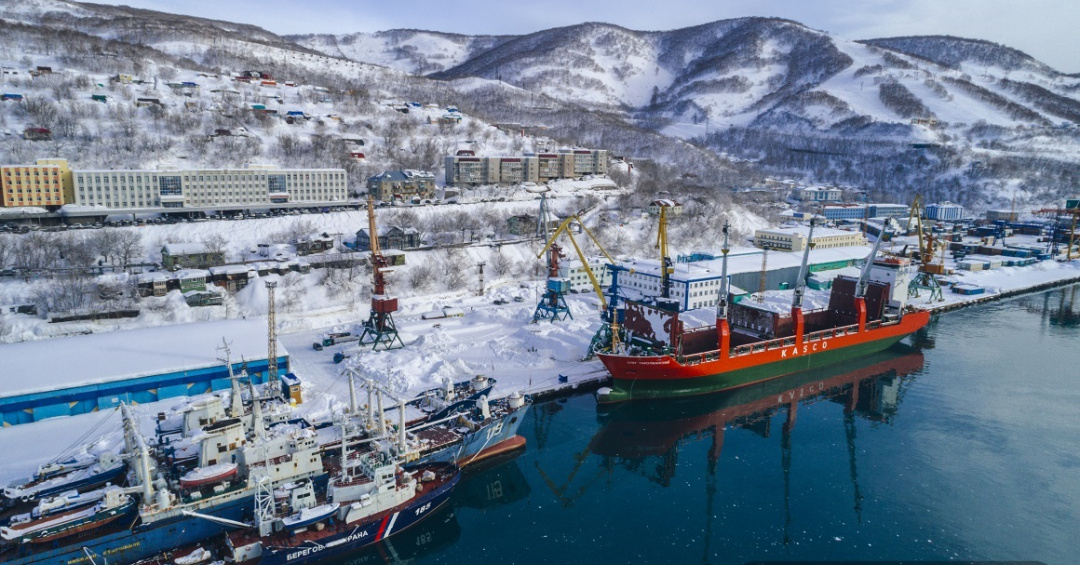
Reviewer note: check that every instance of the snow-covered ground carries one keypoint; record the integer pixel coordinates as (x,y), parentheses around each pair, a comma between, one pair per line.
(497,340)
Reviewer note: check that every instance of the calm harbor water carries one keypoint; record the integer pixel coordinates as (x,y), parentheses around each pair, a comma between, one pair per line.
(960,446)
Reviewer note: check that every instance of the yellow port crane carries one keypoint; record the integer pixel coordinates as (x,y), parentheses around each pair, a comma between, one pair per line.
(564,227)
(925,279)
(666,267)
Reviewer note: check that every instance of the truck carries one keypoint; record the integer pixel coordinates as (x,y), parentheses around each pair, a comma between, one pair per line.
(334,338)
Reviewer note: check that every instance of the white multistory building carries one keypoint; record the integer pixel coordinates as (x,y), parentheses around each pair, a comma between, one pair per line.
(251,185)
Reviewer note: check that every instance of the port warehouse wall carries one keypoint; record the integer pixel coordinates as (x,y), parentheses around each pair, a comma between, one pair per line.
(72,401)
(100,370)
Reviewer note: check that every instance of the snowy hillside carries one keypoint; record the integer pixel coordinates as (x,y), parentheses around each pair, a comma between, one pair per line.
(411,51)
(958,119)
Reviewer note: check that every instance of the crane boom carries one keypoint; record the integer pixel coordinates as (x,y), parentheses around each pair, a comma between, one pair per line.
(564,227)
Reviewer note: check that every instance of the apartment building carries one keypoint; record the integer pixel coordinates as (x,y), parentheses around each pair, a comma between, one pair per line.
(402,185)
(46,184)
(466,169)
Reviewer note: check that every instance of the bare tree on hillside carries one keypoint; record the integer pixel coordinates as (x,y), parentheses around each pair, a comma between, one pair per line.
(128,247)
(215,243)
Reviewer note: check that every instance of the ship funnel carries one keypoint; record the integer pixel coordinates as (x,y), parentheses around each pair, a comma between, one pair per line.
(479,382)
(515,400)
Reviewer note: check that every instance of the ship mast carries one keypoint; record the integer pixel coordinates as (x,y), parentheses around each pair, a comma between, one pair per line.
(800,283)
(723,330)
(722,301)
(798,321)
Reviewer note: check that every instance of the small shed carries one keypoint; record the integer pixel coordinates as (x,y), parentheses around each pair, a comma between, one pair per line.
(191,280)
(196,298)
(152,284)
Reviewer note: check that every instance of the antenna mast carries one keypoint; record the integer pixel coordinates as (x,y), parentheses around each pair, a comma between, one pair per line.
(271,334)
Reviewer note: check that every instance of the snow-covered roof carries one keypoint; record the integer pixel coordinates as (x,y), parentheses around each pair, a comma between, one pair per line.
(804,230)
(184,248)
(191,274)
(114,356)
(748,263)
(231,269)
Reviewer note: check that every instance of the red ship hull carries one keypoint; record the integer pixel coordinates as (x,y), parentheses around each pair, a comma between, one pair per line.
(660,376)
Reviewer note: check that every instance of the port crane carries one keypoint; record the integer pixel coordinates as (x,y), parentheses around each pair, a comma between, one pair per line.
(924,279)
(667,268)
(554,302)
(379,329)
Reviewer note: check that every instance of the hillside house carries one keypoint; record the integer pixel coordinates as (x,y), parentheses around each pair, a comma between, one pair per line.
(99,98)
(152,284)
(521,224)
(11,96)
(190,255)
(147,102)
(316,243)
(191,279)
(674,208)
(390,237)
(232,277)
(37,134)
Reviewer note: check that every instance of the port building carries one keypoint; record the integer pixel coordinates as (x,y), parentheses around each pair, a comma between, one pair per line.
(75,375)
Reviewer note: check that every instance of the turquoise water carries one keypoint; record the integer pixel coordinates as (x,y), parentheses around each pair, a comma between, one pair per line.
(962,445)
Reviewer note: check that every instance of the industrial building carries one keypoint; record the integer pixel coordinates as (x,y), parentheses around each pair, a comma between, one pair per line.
(794,239)
(99,371)
(860,211)
(944,212)
(819,194)
(696,284)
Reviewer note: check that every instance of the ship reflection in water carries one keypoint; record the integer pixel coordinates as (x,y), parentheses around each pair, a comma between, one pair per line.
(644,437)
(491,483)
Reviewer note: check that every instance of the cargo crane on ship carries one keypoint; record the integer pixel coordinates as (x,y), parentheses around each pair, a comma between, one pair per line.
(379,329)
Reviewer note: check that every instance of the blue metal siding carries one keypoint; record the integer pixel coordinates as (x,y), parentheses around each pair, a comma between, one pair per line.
(72,401)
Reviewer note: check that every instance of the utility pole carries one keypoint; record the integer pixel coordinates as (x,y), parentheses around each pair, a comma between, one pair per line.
(481,291)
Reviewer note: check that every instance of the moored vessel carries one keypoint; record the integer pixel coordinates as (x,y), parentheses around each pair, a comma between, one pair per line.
(752,343)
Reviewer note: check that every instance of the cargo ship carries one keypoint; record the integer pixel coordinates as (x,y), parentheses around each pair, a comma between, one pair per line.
(752,342)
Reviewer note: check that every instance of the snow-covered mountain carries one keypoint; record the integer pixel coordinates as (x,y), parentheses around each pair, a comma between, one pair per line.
(748,71)
(956,118)
(412,51)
